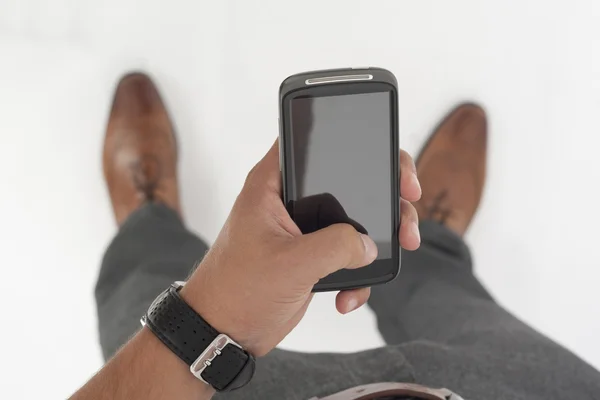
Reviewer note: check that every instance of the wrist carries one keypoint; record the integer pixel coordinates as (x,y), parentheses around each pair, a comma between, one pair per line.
(212,356)
(220,312)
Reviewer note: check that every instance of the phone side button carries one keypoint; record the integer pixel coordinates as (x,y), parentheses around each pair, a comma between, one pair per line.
(280,157)
(280,152)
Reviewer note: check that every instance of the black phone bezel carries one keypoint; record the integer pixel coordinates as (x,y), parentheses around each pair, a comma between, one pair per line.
(381,271)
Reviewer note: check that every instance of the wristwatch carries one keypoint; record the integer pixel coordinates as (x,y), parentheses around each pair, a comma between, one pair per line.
(213,357)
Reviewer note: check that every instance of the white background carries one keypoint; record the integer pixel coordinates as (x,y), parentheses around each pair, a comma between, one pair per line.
(534,64)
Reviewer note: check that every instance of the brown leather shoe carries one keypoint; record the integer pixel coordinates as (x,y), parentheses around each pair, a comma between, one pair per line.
(451,169)
(140,151)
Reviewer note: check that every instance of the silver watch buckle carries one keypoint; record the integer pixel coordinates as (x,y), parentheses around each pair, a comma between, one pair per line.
(209,354)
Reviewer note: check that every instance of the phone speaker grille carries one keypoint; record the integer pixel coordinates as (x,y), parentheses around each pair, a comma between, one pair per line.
(336,79)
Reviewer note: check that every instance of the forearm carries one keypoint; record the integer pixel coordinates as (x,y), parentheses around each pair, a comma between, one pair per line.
(144,369)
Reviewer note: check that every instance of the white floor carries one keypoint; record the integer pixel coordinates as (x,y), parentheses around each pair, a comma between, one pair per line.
(533,64)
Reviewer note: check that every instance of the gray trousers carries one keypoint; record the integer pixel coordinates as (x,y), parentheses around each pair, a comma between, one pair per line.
(441,326)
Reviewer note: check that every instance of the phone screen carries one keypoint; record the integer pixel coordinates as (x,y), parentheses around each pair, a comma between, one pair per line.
(341,164)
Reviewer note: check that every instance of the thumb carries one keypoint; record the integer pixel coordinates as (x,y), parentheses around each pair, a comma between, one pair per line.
(331,249)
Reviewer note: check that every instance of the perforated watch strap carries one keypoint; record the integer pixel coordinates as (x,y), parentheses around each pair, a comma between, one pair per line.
(187,334)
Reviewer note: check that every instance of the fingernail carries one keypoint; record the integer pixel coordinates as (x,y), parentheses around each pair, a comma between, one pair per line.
(415,231)
(416,182)
(352,304)
(370,248)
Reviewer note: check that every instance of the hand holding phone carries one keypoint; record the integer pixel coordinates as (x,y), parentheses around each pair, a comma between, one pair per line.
(256,280)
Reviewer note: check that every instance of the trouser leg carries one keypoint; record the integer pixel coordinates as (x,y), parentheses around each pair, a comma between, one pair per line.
(454,334)
(151,250)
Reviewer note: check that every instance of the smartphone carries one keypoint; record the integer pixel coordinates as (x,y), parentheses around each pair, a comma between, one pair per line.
(339,162)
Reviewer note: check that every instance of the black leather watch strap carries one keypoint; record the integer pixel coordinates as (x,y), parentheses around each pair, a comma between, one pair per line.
(188,335)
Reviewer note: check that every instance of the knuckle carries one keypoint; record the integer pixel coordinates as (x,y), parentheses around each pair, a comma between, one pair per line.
(409,212)
(407,209)
(412,211)
(350,243)
(250,176)
(346,232)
